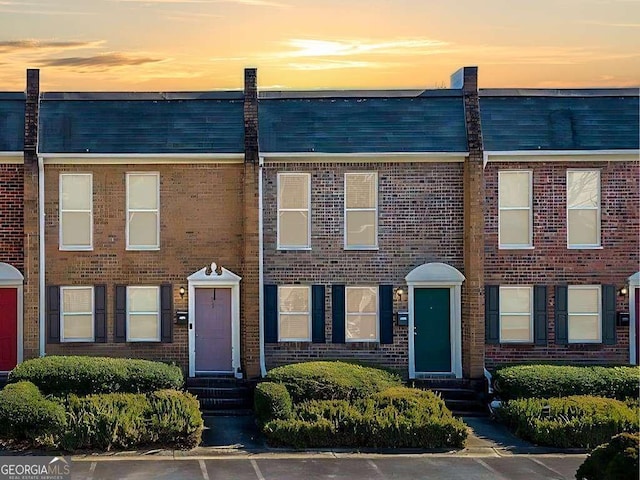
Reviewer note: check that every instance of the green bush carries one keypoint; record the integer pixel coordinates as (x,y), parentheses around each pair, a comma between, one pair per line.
(175,419)
(616,460)
(332,380)
(26,415)
(272,401)
(61,375)
(546,381)
(576,421)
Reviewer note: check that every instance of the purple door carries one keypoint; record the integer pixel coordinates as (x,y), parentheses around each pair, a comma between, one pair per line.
(213,330)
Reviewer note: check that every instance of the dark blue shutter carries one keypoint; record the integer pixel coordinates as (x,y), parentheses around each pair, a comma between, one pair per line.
(100,313)
(385,293)
(120,327)
(166,313)
(53,314)
(270,313)
(492,314)
(540,319)
(317,313)
(609,314)
(337,309)
(561,315)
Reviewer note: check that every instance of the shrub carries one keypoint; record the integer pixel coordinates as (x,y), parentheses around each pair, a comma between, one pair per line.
(546,381)
(576,421)
(272,401)
(175,419)
(26,415)
(332,380)
(616,460)
(61,375)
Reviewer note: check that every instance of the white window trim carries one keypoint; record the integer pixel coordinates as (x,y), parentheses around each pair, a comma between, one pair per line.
(68,248)
(156,210)
(308,210)
(594,246)
(308,313)
(375,209)
(530,314)
(569,314)
(157,313)
(92,313)
(517,246)
(346,315)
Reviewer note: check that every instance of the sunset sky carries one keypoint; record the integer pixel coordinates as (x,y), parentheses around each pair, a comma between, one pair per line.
(205,44)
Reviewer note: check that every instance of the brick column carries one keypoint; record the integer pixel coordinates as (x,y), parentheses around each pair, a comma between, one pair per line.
(249,326)
(31,250)
(473,287)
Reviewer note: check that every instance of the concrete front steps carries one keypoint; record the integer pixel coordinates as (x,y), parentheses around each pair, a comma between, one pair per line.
(222,394)
(464,397)
(3,379)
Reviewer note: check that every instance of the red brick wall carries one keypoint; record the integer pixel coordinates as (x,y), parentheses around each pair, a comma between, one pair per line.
(419,221)
(551,263)
(11,211)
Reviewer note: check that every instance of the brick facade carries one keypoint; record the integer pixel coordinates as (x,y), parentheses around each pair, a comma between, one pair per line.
(11,212)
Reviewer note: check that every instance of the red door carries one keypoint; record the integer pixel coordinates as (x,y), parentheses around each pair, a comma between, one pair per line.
(8,328)
(213,330)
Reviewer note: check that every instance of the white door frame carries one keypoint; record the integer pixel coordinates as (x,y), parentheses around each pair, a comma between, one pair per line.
(438,275)
(10,277)
(208,278)
(634,284)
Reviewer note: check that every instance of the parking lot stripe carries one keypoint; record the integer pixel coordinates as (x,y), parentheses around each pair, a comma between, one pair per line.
(375,467)
(254,464)
(547,467)
(203,469)
(491,469)
(92,469)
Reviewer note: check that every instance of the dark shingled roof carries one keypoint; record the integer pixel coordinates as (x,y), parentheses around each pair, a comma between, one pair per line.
(11,121)
(594,119)
(142,123)
(429,121)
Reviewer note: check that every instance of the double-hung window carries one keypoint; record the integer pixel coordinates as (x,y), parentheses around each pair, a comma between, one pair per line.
(361,210)
(76,211)
(515,209)
(143,314)
(585,319)
(76,315)
(516,319)
(583,208)
(143,211)
(294,313)
(361,314)
(294,211)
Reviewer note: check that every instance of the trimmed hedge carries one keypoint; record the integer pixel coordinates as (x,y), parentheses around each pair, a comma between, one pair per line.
(616,460)
(26,415)
(571,422)
(272,401)
(61,375)
(331,380)
(546,381)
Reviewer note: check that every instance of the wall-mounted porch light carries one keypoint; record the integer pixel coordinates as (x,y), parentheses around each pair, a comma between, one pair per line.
(181,292)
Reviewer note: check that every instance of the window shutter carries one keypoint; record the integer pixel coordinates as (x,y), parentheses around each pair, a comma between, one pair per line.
(317,314)
(53,314)
(540,318)
(337,309)
(270,313)
(609,314)
(166,313)
(492,314)
(100,313)
(561,315)
(385,293)
(120,330)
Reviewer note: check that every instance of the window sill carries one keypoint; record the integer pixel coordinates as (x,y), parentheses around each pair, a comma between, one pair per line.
(143,341)
(361,248)
(301,340)
(75,249)
(501,247)
(293,249)
(586,247)
(74,342)
(143,249)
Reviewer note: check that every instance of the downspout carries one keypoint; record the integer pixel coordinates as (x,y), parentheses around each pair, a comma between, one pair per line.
(263,368)
(41,260)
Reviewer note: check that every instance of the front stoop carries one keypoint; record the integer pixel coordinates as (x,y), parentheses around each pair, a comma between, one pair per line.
(3,379)
(222,394)
(463,396)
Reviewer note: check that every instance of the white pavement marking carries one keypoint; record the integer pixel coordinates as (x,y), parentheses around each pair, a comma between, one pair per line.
(375,467)
(92,469)
(254,464)
(203,469)
(491,469)
(560,476)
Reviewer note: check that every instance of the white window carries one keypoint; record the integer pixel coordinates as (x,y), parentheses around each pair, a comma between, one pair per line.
(515,209)
(143,314)
(143,213)
(516,319)
(76,315)
(584,314)
(294,313)
(361,314)
(583,208)
(361,210)
(76,211)
(294,219)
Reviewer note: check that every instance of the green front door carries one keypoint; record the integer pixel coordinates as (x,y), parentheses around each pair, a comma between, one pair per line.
(432,340)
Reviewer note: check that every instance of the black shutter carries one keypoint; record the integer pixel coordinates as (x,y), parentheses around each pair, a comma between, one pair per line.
(317,313)
(120,327)
(53,314)
(609,314)
(386,313)
(561,315)
(166,313)
(492,314)
(100,313)
(337,309)
(270,313)
(540,319)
